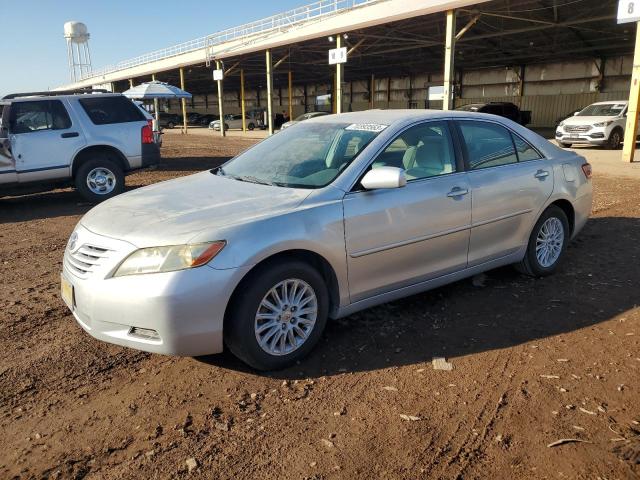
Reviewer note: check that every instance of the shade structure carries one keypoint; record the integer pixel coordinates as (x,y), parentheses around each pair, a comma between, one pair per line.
(155,89)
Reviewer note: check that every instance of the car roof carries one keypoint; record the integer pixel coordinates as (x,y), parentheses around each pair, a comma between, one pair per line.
(30,98)
(611,102)
(389,117)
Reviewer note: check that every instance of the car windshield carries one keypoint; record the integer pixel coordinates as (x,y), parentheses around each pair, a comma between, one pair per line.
(311,155)
(602,110)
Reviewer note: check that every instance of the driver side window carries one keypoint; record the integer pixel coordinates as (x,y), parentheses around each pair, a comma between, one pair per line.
(423,151)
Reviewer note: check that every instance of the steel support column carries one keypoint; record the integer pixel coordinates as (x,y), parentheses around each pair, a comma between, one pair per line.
(290,95)
(156,107)
(449,52)
(242,103)
(339,77)
(372,91)
(269,92)
(184,102)
(629,147)
(220,102)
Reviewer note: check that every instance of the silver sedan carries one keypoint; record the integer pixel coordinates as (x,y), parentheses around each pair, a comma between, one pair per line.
(331,216)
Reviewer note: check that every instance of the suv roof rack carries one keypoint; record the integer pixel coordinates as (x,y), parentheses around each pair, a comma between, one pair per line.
(56,93)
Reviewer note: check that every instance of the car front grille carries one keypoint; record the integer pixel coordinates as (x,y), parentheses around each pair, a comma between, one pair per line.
(577,128)
(86,259)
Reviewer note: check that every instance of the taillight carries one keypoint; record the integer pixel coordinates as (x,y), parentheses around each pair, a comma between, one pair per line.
(586,168)
(147,132)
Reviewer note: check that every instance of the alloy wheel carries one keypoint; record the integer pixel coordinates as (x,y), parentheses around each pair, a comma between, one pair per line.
(549,242)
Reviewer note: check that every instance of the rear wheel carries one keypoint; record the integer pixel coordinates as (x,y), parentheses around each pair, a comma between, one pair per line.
(615,139)
(547,243)
(99,178)
(171,125)
(277,315)
(251,126)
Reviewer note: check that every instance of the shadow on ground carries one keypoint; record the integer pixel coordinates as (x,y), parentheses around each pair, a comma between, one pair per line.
(591,286)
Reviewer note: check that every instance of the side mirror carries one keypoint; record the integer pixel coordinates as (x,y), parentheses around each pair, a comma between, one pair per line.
(384,177)
(576,113)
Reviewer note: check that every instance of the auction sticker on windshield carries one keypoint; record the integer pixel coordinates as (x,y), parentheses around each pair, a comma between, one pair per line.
(367,127)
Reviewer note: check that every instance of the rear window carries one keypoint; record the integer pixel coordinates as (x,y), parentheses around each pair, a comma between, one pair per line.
(108,110)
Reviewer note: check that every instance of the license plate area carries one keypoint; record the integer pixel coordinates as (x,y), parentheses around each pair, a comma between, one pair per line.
(574,135)
(66,292)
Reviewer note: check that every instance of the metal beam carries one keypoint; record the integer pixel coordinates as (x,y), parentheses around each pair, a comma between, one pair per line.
(355,47)
(449,52)
(464,29)
(279,62)
(184,103)
(290,85)
(339,77)
(242,102)
(269,91)
(220,102)
(630,132)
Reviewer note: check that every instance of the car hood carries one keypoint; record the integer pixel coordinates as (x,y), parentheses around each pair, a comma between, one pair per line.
(173,212)
(587,120)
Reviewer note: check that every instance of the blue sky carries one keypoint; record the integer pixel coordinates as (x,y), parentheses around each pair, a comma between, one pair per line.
(34,55)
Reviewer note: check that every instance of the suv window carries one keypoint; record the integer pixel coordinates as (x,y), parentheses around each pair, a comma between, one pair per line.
(38,115)
(423,151)
(110,109)
(487,144)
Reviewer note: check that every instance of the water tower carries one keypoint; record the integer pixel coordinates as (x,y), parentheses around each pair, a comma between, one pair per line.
(77,37)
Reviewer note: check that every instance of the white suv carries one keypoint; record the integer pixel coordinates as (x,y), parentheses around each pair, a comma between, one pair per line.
(600,123)
(49,140)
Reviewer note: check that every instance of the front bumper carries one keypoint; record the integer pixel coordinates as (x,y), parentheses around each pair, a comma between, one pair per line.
(595,136)
(185,309)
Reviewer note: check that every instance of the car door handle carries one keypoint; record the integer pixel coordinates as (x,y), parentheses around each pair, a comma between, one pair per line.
(70,135)
(457,192)
(541,174)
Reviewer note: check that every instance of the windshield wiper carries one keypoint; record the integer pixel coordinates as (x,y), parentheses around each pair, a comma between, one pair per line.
(252,179)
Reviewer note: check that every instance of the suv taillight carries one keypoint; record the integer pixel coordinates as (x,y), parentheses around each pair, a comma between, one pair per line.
(147,132)
(586,168)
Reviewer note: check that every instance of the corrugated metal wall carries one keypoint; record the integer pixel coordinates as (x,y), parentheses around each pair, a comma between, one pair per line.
(546,110)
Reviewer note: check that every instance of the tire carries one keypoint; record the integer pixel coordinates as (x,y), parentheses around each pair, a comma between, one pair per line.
(88,183)
(614,141)
(565,145)
(242,324)
(251,126)
(226,127)
(554,218)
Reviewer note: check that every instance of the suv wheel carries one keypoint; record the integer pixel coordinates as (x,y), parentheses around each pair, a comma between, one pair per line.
(99,178)
(170,125)
(277,316)
(565,145)
(547,243)
(615,139)
(251,126)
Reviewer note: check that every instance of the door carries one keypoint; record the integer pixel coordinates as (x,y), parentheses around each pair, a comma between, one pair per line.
(510,186)
(8,173)
(43,140)
(402,236)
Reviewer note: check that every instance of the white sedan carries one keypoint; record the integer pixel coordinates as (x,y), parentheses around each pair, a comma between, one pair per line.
(233,121)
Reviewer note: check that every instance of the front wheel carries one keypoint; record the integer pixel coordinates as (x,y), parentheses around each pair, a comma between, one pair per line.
(547,243)
(99,178)
(251,126)
(565,145)
(277,316)
(615,140)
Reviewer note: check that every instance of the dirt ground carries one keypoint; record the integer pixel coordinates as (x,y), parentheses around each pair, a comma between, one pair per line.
(534,361)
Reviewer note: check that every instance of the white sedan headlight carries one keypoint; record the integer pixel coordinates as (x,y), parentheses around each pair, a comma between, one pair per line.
(169,258)
(561,124)
(606,123)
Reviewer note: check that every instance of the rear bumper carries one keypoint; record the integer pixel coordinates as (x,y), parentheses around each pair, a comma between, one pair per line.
(150,154)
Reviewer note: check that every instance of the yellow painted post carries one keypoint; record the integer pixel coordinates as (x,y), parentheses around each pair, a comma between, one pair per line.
(131,83)
(449,51)
(269,92)
(629,147)
(339,76)
(223,131)
(184,103)
(290,95)
(242,105)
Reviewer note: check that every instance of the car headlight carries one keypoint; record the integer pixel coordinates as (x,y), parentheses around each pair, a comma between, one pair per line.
(561,124)
(169,258)
(606,123)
